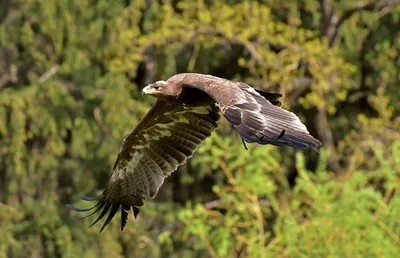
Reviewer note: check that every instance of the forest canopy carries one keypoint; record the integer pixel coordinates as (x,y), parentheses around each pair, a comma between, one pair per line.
(71,74)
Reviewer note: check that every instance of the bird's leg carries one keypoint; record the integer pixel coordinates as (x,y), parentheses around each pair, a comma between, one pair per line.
(244,144)
(281,135)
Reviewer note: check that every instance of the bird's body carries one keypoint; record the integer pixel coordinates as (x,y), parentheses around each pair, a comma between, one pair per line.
(185,114)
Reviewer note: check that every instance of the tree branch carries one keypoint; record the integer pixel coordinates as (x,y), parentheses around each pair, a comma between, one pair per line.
(4,79)
(4,4)
(328,19)
(330,26)
(325,135)
(376,6)
(47,75)
(302,85)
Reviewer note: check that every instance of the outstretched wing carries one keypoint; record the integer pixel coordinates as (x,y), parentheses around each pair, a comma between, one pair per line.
(164,139)
(256,115)
(256,119)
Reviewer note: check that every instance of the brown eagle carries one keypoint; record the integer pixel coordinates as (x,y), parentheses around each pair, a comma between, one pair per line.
(185,114)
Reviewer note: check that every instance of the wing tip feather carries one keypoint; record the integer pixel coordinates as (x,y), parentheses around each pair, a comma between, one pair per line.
(317,145)
(105,207)
(89,199)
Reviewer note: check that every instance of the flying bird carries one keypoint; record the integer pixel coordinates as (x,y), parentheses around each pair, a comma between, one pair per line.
(186,112)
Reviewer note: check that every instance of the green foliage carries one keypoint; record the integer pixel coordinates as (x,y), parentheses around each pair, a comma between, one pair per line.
(320,216)
(71,73)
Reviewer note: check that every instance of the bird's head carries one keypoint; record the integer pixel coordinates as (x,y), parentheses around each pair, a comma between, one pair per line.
(161,89)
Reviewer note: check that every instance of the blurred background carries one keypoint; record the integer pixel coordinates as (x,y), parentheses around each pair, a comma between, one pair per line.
(71,73)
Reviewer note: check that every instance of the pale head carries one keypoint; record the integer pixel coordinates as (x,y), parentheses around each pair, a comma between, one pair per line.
(162,89)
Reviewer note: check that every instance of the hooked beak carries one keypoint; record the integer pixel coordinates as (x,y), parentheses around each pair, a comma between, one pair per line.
(148,90)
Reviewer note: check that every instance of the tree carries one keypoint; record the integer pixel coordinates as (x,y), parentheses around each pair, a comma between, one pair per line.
(71,73)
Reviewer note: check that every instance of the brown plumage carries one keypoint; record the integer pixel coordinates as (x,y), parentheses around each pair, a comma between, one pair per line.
(185,114)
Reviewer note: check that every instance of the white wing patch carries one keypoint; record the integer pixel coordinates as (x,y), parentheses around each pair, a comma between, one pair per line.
(120,174)
(134,162)
(160,133)
(162,130)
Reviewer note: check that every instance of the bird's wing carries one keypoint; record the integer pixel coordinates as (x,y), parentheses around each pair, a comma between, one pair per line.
(256,115)
(164,139)
(257,119)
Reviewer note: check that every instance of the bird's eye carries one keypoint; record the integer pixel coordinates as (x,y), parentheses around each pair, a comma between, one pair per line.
(156,87)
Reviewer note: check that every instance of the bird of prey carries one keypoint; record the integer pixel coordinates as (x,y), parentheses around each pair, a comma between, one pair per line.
(185,114)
